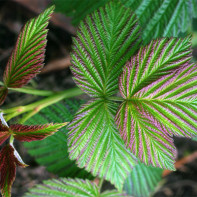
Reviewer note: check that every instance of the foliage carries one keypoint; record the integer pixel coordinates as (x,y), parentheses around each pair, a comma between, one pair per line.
(77,9)
(105,41)
(24,63)
(69,188)
(143,180)
(157,18)
(56,144)
(163,18)
(110,135)
(27,57)
(8,162)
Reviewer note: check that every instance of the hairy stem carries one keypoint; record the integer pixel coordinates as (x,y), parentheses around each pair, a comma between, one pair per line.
(33,91)
(35,107)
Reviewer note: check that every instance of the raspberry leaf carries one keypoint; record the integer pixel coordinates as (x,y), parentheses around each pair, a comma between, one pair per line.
(105,41)
(8,163)
(3,94)
(159,87)
(27,133)
(95,143)
(27,57)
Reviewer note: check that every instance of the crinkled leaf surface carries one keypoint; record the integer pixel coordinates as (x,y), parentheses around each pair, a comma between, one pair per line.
(8,163)
(163,18)
(155,108)
(143,180)
(96,145)
(56,144)
(104,42)
(27,133)
(70,188)
(27,57)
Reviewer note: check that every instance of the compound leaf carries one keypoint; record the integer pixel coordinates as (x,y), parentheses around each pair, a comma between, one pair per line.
(69,188)
(27,57)
(25,133)
(157,107)
(8,163)
(104,42)
(56,144)
(158,58)
(96,145)
(143,180)
(163,18)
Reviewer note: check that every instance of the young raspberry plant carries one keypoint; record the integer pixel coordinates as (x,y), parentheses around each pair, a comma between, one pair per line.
(24,63)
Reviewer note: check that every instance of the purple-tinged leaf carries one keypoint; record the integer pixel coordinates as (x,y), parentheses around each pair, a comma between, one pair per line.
(145,136)
(173,101)
(3,94)
(104,42)
(95,143)
(160,90)
(8,163)
(27,57)
(27,133)
(159,58)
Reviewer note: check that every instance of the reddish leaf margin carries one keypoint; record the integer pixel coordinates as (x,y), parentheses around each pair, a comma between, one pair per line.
(8,163)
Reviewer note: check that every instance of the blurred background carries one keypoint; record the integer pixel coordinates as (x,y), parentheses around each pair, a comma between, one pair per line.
(57,76)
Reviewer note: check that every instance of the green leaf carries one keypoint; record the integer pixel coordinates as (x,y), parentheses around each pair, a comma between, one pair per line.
(163,18)
(104,42)
(96,145)
(27,57)
(70,188)
(77,9)
(143,180)
(145,136)
(52,152)
(158,107)
(159,58)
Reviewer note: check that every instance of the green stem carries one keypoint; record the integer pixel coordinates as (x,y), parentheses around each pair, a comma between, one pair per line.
(33,91)
(100,184)
(116,99)
(1,83)
(11,139)
(34,108)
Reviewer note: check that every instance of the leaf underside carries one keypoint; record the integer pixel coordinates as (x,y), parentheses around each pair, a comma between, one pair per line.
(105,41)
(96,145)
(158,107)
(143,180)
(44,150)
(69,188)
(163,18)
(27,57)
